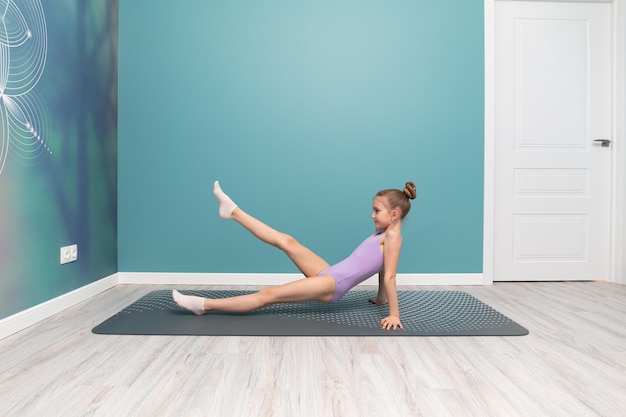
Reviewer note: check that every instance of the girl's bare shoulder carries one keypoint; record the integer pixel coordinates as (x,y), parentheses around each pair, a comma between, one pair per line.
(392,235)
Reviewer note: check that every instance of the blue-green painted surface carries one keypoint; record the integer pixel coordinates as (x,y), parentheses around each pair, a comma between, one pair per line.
(303,110)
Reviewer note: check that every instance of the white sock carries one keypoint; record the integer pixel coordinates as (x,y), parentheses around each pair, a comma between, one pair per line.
(190,302)
(226,204)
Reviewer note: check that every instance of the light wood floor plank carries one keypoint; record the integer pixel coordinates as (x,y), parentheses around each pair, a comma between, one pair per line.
(573,363)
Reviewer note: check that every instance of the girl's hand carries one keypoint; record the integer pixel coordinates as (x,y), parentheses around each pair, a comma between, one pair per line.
(391,323)
(377,300)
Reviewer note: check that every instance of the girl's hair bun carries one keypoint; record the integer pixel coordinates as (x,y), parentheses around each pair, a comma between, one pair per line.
(409,190)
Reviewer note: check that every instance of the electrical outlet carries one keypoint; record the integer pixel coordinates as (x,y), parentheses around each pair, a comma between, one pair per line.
(69,254)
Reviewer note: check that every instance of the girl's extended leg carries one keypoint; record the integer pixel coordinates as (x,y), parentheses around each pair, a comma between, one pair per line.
(319,288)
(309,263)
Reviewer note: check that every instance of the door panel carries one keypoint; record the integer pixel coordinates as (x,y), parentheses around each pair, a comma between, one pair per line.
(552,181)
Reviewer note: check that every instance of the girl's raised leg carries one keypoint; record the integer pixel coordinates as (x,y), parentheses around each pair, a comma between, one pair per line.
(319,288)
(308,262)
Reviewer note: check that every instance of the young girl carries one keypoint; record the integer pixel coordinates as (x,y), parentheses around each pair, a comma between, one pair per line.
(378,253)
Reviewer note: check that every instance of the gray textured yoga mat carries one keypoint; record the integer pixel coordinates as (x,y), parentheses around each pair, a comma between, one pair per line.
(424,313)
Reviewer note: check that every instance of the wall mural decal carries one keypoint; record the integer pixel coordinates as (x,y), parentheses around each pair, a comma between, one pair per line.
(58,147)
(23,51)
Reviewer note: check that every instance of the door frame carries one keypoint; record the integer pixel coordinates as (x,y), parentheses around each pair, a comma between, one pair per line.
(617,245)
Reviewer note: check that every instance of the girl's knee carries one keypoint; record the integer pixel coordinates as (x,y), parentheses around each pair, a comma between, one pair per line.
(267,296)
(287,242)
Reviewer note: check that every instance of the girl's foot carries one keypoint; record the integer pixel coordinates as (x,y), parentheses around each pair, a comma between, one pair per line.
(190,302)
(226,204)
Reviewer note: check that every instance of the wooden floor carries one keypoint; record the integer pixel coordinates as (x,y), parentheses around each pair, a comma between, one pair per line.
(573,363)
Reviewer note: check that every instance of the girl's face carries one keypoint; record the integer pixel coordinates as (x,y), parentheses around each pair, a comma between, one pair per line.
(382,215)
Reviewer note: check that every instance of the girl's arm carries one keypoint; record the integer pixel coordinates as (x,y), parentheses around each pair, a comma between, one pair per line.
(381,297)
(391,253)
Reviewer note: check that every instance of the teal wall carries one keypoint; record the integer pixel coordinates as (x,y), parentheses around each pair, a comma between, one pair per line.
(58,147)
(303,110)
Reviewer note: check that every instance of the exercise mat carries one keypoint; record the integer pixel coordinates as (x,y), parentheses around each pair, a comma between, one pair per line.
(423,313)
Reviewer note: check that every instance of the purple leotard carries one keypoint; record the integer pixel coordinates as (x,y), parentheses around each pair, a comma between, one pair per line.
(365,261)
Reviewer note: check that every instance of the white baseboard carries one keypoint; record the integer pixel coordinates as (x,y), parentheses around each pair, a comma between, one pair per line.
(158,278)
(33,315)
(20,321)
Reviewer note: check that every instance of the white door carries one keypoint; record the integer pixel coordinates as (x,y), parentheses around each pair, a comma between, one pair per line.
(552,178)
